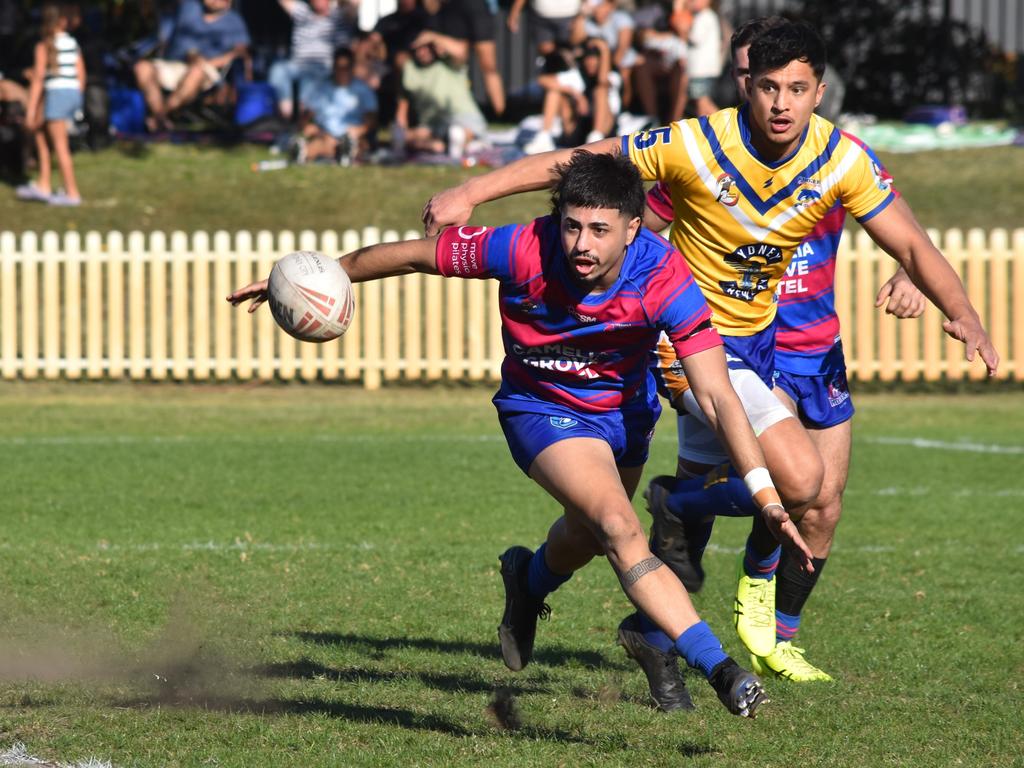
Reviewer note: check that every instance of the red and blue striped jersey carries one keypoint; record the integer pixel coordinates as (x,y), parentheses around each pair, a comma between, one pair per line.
(587,351)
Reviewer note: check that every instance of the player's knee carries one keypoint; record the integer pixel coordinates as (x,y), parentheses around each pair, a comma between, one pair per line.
(799,482)
(618,533)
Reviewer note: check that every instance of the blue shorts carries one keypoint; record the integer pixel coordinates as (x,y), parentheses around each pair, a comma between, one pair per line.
(628,431)
(756,353)
(822,401)
(62,104)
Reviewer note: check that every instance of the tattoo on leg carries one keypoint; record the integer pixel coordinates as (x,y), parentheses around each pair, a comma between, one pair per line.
(630,577)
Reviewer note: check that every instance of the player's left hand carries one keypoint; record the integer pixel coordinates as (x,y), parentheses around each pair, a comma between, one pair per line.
(901,297)
(256,291)
(970,331)
(784,529)
(450,207)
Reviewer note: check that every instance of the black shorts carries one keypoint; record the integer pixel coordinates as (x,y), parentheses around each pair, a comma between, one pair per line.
(471,20)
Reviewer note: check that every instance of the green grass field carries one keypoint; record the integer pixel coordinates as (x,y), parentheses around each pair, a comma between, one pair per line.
(307,576)
(167,187)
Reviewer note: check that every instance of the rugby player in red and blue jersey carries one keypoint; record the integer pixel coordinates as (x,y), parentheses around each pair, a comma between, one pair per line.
(584,295)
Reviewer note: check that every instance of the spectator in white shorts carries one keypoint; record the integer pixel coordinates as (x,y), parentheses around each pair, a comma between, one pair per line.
(660,78)
(550,21)
(207,37)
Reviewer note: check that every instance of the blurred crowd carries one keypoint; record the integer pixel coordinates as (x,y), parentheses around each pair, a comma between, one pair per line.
(345,94)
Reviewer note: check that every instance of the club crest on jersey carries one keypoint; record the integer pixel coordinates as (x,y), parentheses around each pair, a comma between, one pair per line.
(727,193)
(749,260)
(808,192)
(882,181)
(562,422)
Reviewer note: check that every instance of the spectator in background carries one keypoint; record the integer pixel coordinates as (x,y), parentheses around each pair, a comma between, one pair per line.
(551,21)
(344,115)
(55,96)
(582,91)
(660,79)
(371,58)
(396,32)
(473,22)
(208,36)
(606,21)
(704,55)
(317,28)
(437,91)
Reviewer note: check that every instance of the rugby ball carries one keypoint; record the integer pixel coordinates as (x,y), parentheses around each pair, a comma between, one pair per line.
(311,296)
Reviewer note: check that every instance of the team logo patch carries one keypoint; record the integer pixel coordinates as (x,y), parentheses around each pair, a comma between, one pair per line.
(727,193)
(562,422)
(838,392)
(808,192)
(750,261)
(882,181)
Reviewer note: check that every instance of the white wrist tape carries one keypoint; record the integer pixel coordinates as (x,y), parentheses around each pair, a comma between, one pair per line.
(757,480)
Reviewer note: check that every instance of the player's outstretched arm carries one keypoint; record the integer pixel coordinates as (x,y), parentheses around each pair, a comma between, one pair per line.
(370,263)
(708,376)
(900,296)
(897,231)
(454,206)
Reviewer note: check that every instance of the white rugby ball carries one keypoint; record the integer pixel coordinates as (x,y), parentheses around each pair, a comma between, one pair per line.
(311,296)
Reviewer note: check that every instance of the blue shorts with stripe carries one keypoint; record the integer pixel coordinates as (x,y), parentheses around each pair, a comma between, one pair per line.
(531,425)
(822,401)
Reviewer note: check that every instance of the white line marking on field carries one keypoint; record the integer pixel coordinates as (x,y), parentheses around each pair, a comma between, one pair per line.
(18,756)
(942,445)
(75,440)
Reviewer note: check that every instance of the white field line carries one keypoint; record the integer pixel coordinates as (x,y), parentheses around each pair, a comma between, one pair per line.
(942,445)
(103,440)
(19,757)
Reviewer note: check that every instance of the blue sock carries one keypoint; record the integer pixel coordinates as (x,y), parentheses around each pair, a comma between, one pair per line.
(720,492)
(652,634)
(541,580)
(758,566)
(786,626)
(701,649)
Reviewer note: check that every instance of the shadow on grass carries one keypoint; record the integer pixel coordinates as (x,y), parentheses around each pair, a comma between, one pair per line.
(376,647)
(311,670)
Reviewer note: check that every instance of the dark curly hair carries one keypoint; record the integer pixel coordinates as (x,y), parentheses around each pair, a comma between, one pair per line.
(784,42)
(599,180)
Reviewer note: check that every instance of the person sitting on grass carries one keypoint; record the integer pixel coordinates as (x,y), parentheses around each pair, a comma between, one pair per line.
(344,116)
(585,293)
(55,97)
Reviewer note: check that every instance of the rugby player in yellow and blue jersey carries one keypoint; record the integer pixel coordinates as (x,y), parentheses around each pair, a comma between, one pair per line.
(747,185)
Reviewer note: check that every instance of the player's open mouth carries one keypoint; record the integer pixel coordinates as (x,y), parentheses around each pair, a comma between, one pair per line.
(584,266)
(780,125)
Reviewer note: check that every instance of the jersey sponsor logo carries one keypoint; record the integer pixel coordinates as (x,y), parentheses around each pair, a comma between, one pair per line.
(727,192)
(464,257)
(749,261)
(468,233)
(559,357)
(647,139)
(562,422)
(793,280)
(580,316)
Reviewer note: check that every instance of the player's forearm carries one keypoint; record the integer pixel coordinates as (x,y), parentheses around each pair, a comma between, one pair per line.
(389,259)
(527,174)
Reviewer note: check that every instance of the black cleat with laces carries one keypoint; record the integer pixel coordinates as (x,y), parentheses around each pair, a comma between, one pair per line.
(519,623)
(664,678)
(669,538)
(739,690)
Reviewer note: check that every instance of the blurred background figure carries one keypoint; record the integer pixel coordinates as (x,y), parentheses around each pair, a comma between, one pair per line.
(660,78)
(473,22)
(318,27)
(207,38)
(704,55)
(606,21)
(550,21)
(54,100)
(436,110)
(343,116)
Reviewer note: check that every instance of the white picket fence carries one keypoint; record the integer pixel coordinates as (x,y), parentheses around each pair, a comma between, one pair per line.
(153,307)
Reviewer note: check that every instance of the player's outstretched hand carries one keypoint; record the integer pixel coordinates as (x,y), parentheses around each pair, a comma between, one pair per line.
(785,532)
(970,331)
(256,291)
(901,297)
(450,207)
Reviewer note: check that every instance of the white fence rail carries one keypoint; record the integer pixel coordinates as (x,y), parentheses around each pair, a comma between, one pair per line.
(152,307)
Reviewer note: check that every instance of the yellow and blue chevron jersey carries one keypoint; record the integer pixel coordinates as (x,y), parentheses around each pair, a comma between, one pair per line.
(738,219)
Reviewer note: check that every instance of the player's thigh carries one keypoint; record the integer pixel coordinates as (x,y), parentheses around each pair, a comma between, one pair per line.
(581,474)
(833,444)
